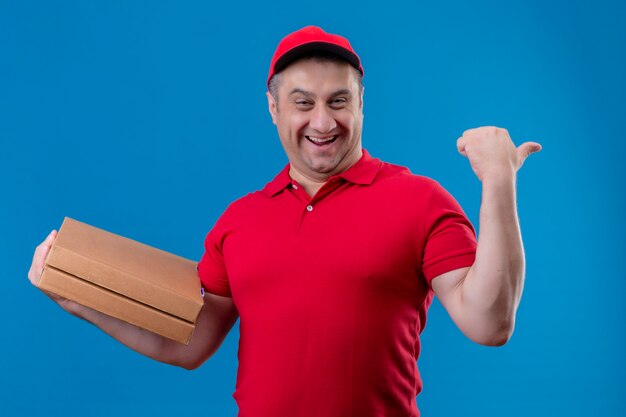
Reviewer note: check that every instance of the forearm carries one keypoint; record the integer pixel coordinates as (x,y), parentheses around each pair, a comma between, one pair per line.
(142,341)
(493,286)
(216,318)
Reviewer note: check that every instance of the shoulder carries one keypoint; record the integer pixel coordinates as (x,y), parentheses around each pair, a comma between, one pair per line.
(401,177)
(244,204)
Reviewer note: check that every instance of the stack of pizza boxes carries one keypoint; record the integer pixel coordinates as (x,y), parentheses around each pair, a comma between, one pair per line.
(142,285)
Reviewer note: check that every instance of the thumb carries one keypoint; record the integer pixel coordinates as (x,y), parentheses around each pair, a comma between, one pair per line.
(527,148)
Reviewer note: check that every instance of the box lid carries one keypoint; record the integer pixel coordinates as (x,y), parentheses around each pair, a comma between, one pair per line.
(151,276)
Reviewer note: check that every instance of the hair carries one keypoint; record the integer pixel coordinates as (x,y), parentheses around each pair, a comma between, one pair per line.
(318,56)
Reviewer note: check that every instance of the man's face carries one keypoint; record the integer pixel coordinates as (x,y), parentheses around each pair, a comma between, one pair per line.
(319,117)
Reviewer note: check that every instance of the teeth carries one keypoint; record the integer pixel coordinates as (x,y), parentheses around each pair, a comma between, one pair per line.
(319,140)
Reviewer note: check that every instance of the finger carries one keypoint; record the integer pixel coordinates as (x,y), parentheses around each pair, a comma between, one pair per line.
(47,243)
(41,254)
(48,240)
(480,130)
(527,148)
(34,274)
(460,146)
(51,236)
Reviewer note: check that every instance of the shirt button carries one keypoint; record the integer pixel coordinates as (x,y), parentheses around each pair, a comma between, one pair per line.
(294,186)
(309,207)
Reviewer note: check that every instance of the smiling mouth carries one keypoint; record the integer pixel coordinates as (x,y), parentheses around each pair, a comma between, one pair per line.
(321,141)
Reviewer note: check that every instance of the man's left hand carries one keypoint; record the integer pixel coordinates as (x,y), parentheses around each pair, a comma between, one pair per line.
(492,153)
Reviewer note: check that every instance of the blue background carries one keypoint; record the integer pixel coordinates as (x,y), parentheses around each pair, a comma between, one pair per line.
(147,118)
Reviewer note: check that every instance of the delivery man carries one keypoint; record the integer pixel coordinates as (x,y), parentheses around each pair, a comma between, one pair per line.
(332,266)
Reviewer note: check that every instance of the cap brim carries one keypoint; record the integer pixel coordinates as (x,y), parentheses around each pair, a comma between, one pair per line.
(307,48)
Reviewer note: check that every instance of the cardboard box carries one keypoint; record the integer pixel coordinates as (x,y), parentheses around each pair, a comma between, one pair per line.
(142,285)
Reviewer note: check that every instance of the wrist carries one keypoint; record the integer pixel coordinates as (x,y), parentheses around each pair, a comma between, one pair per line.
(74,308)
(499,178)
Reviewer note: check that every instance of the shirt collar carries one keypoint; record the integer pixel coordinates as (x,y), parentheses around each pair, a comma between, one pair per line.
(363,173)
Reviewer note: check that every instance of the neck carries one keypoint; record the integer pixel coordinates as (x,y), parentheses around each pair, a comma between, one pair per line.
(312,184)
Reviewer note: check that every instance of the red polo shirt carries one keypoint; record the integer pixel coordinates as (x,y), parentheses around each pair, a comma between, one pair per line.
(332,291)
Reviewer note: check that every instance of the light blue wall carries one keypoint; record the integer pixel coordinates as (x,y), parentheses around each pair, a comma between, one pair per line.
(147,118)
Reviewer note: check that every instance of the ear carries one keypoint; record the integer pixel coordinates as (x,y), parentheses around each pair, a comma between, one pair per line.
(362,92)
(271,104)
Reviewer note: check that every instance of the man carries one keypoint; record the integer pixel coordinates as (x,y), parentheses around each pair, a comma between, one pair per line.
(332,266)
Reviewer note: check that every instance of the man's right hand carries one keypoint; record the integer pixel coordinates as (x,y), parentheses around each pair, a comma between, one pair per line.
(36,269)
(39,258)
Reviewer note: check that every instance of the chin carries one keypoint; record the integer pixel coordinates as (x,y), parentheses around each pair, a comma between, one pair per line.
(323,167)
(324,170)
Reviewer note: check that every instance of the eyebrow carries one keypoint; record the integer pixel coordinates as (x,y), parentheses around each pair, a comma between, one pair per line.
(310,94)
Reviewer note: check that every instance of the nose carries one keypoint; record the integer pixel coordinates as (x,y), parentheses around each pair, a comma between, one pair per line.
(322,120)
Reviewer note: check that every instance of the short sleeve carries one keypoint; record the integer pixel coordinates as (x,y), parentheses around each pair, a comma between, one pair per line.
(212,268)
(450,237)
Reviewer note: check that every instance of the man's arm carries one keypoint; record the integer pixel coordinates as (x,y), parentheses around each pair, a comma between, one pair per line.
(217,317)
(482,300)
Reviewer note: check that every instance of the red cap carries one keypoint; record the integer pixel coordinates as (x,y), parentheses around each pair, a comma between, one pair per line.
(311,39)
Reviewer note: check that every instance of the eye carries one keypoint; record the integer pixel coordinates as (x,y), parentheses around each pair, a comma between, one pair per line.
(303,104)
(338,102)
